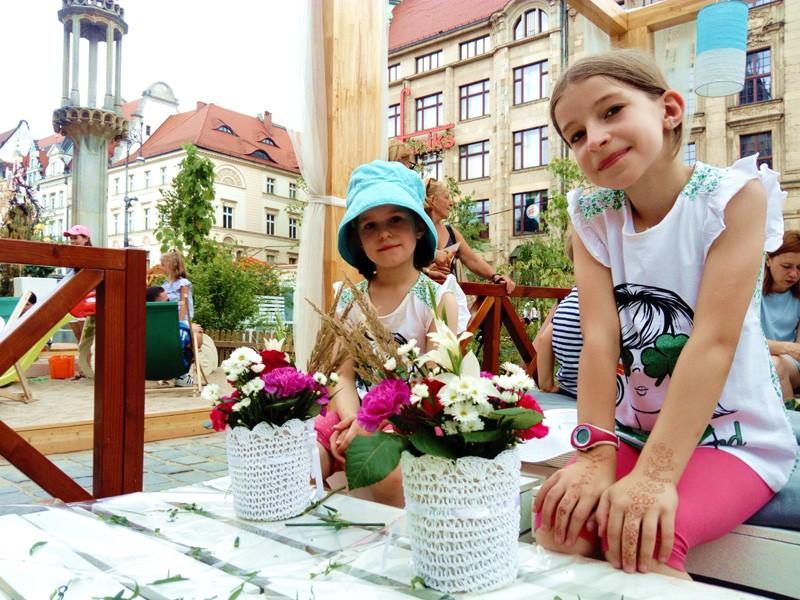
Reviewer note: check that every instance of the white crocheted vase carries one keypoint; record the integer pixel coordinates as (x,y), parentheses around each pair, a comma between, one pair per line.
(270,470)
(462,518)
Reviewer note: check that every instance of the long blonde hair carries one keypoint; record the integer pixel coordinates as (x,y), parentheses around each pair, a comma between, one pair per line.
(173,264)
(633,68)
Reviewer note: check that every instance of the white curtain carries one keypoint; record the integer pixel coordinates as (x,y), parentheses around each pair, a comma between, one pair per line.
(674,52)
(311,148)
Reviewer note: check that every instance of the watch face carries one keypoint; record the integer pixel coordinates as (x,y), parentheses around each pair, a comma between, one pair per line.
(582,436)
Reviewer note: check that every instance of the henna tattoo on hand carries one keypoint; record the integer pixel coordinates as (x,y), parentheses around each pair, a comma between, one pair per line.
(644,494)
(575,489)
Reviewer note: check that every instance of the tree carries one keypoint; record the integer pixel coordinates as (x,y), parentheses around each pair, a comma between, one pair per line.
(224,290)
(463,216)
(187,210)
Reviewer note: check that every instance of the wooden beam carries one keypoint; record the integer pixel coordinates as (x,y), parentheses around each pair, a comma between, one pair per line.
(604,14)
(665,14)
(62,255)
(354,35)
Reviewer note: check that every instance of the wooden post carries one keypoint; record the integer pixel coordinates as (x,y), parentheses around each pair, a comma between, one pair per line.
(354,55)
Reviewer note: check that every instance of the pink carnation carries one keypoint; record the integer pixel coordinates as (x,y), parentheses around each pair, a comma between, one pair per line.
(383,401)
(287,382)
(540,429)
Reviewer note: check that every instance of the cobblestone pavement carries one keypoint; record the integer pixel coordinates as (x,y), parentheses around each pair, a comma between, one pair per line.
(167,464)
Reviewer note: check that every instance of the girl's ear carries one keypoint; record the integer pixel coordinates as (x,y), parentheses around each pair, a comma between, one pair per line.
(674,108)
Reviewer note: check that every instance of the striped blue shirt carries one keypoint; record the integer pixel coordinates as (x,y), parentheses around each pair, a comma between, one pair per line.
(567,342)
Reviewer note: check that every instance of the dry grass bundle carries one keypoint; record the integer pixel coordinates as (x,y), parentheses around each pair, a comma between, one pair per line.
(369,342)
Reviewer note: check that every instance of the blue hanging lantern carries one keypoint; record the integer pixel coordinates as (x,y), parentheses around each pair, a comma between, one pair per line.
(721,48)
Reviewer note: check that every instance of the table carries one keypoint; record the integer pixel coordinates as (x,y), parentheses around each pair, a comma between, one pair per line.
(187,543)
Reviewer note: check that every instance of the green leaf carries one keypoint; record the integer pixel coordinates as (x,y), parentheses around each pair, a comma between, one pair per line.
(426,442)
(370,458)
(236,542)
(524,421)
(417,581)
(37,546)
(169,579)
(488,435)
(510,412)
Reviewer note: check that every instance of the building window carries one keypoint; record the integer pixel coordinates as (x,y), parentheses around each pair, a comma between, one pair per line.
(481,210)
(394,72)
(754,3)
(146,219)
(129,216)
(757,77)
(270,224)
(292,260)
(530,148)
(147,130)
(225,129)
(690,154)
(269,187)
(116,185)
(430,111)
(757,142)
(227,217)
(292,228)
(116,223)
(474,99)
(271,258)
(431,164)
(532,22)
(474,160)
(261,154)
(394,120)
(474,47)
(130,182)
(531,82)
(269,142)
(293,191)
(163,175)
(429,61)
(146,179)
(60,198)
(528,210)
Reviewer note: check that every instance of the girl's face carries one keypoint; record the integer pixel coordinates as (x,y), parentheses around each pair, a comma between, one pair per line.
(78,240)
(785,270)
(441,204)
(388,235)
(167,265)
(616,132)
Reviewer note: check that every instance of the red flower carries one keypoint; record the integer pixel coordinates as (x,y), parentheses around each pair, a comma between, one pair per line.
(219,415)
(273,359)
(537,431)
(430,405)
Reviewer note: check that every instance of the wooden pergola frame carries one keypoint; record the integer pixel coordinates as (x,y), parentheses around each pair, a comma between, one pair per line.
(634,28)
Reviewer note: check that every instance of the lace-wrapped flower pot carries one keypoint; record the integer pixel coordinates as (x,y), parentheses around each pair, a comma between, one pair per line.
(462,518)
(270,470)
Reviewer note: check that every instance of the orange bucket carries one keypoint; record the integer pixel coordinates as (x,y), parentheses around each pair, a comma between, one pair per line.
(61,366)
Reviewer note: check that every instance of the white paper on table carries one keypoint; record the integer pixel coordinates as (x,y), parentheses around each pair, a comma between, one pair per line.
(555,448)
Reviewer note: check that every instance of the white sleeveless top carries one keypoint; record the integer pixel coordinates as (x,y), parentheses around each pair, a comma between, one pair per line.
(656,275)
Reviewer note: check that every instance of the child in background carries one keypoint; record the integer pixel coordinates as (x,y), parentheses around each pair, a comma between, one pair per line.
(178,288)
(667,260)
(387,236)
(79,235)
(158,294)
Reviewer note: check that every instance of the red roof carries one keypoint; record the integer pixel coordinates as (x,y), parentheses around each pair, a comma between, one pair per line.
(6,134)
(416,20)
(201,127)
(44,145)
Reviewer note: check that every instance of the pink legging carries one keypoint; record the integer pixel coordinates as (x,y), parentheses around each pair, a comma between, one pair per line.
(717,492)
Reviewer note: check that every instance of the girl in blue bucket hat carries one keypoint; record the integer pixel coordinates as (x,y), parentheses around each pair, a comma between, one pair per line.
(388,237)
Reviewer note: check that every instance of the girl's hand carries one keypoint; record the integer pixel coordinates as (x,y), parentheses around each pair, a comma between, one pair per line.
(792,349)
(571,494)
(631,512)
(346,430)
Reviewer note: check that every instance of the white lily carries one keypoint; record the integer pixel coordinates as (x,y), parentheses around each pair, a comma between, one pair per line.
(447,348)
(390,364)
(273,344)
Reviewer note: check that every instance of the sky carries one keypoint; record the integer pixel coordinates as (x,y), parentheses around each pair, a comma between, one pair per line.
(240,54)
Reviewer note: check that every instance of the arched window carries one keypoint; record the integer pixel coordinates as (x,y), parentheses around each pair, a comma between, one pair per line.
(261,154)
(533,21)
(225,129)
(269,141)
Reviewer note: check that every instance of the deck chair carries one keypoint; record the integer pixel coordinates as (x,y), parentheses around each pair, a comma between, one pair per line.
(163,351)
(10,311)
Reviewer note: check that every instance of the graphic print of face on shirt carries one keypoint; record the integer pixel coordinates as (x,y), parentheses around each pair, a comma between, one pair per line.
(655,326)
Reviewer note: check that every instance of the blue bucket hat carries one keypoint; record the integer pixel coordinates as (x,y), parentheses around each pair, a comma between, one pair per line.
(379,183)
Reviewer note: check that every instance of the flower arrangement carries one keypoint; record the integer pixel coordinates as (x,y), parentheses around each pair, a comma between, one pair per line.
(267,389)
(440,404)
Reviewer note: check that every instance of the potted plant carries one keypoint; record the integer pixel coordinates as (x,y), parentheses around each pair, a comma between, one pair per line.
(270,431)
(453,430)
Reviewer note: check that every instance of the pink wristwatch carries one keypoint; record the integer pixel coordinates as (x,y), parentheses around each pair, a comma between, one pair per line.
(586,436)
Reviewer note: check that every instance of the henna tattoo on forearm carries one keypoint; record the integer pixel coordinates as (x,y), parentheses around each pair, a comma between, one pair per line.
(644,495)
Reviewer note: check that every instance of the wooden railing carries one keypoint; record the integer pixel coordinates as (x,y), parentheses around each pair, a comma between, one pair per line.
(118,276)
(494,308)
